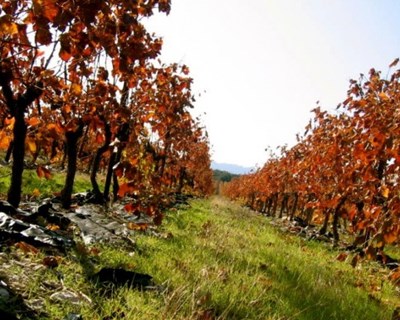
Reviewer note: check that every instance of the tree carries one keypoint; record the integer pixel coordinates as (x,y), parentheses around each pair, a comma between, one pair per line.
(82,32)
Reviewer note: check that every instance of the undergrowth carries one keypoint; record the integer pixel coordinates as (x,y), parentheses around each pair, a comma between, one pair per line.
(216,260)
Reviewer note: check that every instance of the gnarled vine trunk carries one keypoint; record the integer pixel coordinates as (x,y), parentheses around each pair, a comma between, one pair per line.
(17,108)
(98,196)
(72,138)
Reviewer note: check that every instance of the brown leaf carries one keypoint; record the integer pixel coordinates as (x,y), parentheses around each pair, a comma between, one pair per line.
(395,276)
(158,219)
(51,261)
(342,257)
(395,62)
(27,248)
(43,172)
(355,260)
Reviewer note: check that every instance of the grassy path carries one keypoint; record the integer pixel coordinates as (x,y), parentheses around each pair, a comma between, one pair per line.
(216,260)
(220,261)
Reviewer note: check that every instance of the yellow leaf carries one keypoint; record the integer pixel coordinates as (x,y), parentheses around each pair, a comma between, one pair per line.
(76,89)
(385,192)
(36,192)
(31,145)
(7,26)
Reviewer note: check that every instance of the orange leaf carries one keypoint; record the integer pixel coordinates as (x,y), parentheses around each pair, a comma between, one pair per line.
(34,121)
(383,96)
(53,227)
(385,192)
(49,9)
(125,188)
(25,247)
(390,237)
(137,226)
(4,141)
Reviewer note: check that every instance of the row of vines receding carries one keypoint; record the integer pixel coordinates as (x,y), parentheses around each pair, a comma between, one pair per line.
(346,167)
(81,89)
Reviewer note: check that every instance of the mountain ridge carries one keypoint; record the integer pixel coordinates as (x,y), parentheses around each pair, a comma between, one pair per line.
(229,167)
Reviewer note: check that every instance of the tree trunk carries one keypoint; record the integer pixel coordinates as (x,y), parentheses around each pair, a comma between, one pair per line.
(114,176)
(99,197)
(326,221)
(72,138)
(18,153)
(83,143)
(294,207)
(275,203)
(17,108)
(9,152)
(109,175)
(123,136)
(335,222)
(284,204)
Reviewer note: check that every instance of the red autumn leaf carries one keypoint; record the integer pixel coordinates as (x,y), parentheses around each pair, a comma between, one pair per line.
(126,188)
(100,138)
(130,207)
(43,172)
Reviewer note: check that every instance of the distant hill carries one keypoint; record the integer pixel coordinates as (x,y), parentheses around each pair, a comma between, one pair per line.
(231,168)
(223,176)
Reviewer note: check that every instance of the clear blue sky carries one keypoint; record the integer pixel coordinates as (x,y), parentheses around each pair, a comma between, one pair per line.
(261,65)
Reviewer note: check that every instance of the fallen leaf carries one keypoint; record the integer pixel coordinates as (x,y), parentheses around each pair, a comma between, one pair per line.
(27,248)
